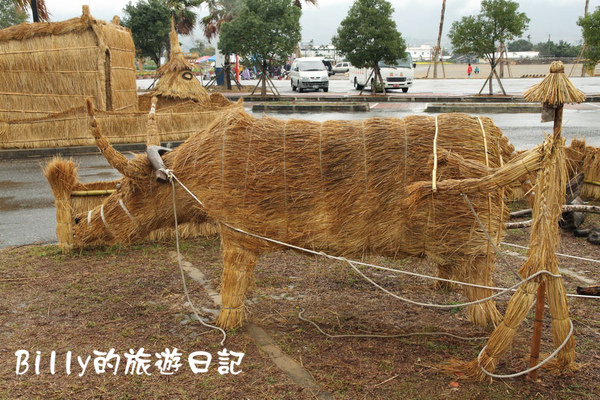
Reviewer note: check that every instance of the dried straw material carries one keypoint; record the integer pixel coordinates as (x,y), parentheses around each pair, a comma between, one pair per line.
(152,135)
(47,68)
(555,89)
(70,128)
(176,80)
(547,209)
(340,186)
(591,172)
(70,200)
(62,176)
(500,340)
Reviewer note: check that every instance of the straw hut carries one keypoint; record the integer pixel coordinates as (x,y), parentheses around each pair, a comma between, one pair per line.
(60,64)
(47,68)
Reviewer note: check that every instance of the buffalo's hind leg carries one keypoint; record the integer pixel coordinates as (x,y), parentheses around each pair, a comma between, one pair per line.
(478,271)
(239,260)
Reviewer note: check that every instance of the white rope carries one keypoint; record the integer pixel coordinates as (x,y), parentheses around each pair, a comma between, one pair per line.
(89,219)
(558,254)
(102,215)
(551,356)
(126,210)
(501,290)
(320,253)
(185,289)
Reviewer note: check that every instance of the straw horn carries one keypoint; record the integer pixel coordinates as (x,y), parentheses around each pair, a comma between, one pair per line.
(114,158)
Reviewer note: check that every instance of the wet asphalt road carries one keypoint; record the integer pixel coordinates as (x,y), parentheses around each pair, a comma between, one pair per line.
(26,203)
(27,212)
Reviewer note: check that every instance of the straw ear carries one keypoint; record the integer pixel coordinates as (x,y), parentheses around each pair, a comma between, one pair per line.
(114,158)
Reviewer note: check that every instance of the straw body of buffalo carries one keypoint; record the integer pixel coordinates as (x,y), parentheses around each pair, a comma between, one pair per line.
(344,187)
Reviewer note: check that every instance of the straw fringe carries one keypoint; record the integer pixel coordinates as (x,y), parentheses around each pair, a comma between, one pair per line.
(555,89)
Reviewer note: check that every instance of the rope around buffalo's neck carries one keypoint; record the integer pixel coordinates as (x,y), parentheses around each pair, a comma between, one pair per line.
(185,289)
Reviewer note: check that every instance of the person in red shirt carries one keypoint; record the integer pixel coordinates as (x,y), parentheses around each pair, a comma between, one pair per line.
(469,70)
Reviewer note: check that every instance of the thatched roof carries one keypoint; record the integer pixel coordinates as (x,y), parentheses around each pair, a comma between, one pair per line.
(49,67)
(73,25)
(555,89)
(176,80)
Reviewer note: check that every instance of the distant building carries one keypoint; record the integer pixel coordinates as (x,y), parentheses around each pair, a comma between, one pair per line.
(421,53)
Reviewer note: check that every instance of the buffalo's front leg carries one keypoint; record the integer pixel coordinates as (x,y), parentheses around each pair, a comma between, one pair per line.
(239,261)
(479,271)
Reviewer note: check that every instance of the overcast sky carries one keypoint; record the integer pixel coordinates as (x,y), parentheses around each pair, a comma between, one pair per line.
(417,20)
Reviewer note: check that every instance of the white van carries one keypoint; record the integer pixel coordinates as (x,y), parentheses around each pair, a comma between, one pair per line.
(397,76)
(309,73)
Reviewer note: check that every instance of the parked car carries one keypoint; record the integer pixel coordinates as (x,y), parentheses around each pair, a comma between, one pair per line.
(309,73)
(342,67)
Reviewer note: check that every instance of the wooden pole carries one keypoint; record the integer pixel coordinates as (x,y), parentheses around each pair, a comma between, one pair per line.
(537,329)
(438,47)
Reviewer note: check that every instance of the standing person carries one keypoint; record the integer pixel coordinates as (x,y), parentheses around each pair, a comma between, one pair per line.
(469,70)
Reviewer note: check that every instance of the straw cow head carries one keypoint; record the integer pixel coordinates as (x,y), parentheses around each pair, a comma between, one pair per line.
(139,205)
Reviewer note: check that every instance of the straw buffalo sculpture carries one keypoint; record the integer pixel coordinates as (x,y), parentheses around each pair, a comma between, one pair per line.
(387,186)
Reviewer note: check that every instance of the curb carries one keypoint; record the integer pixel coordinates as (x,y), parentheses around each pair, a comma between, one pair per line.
(305,107)
(512,108)
(12,154)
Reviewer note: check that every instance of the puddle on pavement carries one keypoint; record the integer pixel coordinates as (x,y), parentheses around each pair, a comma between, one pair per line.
(7,203)
(10,184)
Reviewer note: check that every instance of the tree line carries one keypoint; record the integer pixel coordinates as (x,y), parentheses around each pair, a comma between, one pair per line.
(267,31)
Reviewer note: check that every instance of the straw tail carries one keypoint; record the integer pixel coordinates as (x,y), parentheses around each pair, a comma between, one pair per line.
(62,176)
(114,158)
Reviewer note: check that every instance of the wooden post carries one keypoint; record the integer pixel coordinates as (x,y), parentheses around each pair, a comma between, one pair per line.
(537,329)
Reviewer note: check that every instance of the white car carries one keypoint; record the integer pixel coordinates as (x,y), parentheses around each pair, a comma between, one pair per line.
(342,67)
(309,73)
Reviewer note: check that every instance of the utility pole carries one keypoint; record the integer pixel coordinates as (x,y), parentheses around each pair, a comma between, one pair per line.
(437,50)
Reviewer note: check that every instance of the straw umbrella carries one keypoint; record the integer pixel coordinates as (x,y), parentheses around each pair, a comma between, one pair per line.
(553,92)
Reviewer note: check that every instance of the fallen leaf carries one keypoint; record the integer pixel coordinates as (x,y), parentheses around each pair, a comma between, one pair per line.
(454,384)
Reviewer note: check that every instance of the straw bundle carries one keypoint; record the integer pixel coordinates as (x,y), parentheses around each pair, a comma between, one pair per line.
(152,135)
(176,80)
(46,68)
(556,88)
(591,172)
(62,175)
(342,186)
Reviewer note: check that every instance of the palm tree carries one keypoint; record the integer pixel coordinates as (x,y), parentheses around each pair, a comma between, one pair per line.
(219,12)
(298,3)
(185,18)
(37,7)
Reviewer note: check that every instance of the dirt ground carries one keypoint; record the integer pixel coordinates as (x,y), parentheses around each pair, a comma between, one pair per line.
(126,298)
